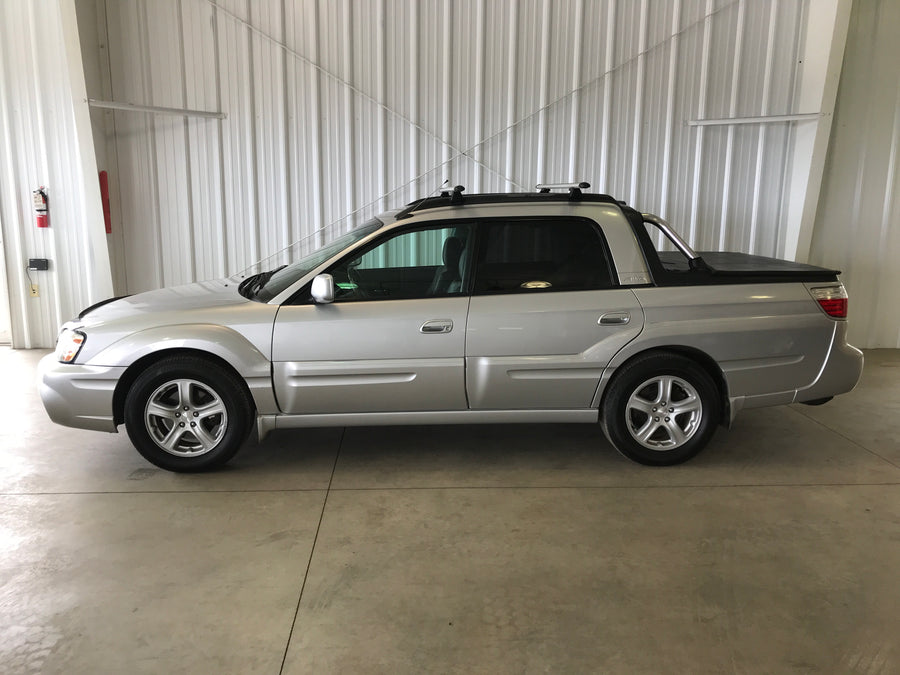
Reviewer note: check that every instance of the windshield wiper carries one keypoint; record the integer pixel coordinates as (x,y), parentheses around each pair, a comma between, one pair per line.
(245,284)
(250,286)
(263,278)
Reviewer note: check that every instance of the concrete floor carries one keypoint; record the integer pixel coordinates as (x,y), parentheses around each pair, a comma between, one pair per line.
(446,549)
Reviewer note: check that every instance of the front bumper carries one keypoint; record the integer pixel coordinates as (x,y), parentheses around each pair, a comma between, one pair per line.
(78,396)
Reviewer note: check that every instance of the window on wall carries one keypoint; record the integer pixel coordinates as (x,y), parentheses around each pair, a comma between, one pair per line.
(541,255)
(423,263)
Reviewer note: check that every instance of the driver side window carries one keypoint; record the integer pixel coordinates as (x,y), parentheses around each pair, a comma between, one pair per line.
(423,263)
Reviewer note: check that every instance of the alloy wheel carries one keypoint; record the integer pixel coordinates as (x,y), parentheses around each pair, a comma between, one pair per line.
(185,417)
(663,413)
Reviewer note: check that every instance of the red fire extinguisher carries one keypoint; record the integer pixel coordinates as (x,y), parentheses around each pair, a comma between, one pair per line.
(41,207)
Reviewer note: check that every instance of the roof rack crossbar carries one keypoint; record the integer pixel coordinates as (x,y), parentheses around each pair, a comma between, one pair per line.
(454,197)
(573,188)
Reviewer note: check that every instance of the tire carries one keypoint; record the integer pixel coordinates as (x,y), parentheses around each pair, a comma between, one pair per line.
(644,423)
(187,414)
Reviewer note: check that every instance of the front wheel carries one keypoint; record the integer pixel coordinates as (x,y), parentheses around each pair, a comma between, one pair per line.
(661,409)
(187,414)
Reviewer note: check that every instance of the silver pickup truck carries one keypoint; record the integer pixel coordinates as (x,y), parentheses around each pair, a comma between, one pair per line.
(460,309)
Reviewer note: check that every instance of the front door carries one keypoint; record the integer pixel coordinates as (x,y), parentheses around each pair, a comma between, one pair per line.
(393,339)
(545,317)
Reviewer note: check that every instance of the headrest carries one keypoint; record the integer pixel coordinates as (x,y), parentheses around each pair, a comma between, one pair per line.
(453,248)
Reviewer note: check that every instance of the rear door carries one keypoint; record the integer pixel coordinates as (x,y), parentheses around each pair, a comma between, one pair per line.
(545,316)
(394,338)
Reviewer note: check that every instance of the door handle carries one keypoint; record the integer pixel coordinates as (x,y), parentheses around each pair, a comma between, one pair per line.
(437,326)
(614,319)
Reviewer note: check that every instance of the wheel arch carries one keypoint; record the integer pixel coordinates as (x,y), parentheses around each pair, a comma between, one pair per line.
(698,356)
(134,371)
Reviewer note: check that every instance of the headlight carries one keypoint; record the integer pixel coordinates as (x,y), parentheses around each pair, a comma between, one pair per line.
(69,344)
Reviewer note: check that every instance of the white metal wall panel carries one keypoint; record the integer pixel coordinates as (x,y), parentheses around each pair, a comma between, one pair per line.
(164,54)
(234,75)
(857,228)
(137,176)
(199,45)
(341,107)
(40,145)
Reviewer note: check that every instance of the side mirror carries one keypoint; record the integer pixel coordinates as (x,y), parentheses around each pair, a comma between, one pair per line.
(322,290)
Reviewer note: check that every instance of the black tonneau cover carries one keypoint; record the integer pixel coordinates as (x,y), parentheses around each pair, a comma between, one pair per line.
(715,267)
(743,263)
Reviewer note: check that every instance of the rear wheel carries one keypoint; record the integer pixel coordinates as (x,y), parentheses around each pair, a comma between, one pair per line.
(187,414)
(661,409)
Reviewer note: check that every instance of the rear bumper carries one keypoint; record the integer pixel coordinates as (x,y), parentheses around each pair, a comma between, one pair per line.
(840,372)
(78,396)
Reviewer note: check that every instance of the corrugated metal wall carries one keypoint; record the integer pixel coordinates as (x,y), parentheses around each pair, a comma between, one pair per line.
(340,107)
(858,225)
(43,142)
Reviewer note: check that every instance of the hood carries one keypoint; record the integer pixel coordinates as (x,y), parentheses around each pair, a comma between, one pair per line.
(189,298)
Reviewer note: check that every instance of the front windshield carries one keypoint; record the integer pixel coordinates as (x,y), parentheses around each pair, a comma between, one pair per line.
(280,278)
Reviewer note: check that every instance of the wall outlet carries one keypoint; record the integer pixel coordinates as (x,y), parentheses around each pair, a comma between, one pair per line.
(35,291)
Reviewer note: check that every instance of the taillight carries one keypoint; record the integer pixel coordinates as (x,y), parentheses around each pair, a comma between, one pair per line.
(832,300)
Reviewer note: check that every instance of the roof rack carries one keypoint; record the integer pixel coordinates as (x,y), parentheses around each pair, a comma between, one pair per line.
(573,188)
(454,197)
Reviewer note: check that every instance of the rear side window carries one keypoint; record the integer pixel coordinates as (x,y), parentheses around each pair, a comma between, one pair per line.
(541,255)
